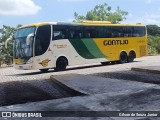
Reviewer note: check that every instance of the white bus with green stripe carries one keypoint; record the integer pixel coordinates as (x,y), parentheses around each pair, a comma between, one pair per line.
(57,45)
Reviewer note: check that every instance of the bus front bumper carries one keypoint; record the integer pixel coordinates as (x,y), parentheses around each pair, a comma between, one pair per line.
(23,67)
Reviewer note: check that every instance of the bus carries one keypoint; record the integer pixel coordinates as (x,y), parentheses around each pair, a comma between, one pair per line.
(56,45)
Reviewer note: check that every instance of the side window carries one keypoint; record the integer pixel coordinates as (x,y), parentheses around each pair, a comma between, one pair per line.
(116,31)
(60,32)
(101,32)
(42,40)
(139,31)
(90,32)
(127,31)
(75,32)
(107,32)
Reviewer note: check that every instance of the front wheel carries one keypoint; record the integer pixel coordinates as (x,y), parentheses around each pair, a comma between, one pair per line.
(61,64)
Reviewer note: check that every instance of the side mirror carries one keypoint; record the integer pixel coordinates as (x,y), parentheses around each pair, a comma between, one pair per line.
(6,42)
(29,38)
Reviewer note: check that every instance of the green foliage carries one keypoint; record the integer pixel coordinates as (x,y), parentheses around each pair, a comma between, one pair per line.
(152,50)
(153,30)
(6,32)
(6,53)
(153,45)
(153,39)
(103,12)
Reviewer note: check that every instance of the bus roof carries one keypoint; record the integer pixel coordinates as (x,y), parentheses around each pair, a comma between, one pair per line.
(89,23)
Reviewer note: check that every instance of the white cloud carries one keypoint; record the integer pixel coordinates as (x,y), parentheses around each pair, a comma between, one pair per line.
(18,7)
(151,18)
(147,19)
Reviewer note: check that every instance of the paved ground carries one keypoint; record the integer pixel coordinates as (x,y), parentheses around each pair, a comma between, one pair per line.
(148,69)
(90,84)
(10,74)
(104,94)
(135,95)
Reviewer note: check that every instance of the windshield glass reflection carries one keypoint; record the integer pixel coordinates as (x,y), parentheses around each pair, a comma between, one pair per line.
(21,49)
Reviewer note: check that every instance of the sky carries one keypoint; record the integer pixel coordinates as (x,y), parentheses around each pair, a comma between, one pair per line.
(14,12)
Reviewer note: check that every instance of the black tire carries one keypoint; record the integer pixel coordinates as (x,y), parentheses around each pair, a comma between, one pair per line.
(44,70)
(61,64)
(131,56)
(123,57)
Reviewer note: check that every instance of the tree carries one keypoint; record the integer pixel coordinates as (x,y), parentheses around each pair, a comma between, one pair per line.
(5,33)
(153,45)
(153,39)
(153,30)
(103,12)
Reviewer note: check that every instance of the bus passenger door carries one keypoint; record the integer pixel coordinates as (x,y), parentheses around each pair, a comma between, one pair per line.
(42,42)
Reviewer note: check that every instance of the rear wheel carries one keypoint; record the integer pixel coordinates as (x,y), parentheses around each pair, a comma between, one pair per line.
(61,64)
(131,56)
(123,57)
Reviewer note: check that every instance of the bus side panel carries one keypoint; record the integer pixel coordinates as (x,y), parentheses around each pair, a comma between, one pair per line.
(64,48)
(87,51)
(112,47)
(76,51)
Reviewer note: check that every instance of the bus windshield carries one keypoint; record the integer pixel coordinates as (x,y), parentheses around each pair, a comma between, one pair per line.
(21,49)
(24,32)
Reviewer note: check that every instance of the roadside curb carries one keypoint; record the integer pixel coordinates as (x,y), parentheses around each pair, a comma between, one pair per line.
(67,88)
(147,70)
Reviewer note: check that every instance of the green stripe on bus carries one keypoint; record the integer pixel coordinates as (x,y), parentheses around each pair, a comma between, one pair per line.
(93,48)
(81,48)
